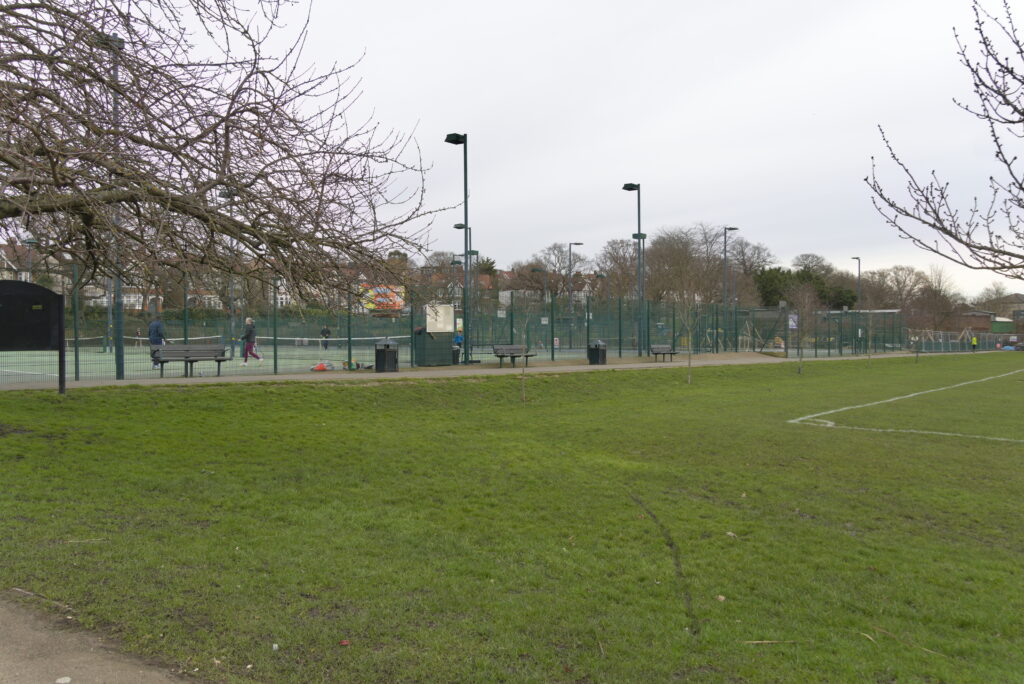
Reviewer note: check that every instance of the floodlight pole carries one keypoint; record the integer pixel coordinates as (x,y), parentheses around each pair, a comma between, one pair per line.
(857,258)
(463,139)
(115,44)
(571,321)
(725,271)
(641,272)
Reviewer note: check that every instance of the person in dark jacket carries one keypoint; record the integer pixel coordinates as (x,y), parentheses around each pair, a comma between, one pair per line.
(249,337)
(325,335)
(157,338)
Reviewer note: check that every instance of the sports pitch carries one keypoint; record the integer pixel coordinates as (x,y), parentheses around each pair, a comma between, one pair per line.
(857,522)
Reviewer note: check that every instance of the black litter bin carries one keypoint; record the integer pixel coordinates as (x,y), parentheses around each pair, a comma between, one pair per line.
(597,353)
(456,353)
(385,358)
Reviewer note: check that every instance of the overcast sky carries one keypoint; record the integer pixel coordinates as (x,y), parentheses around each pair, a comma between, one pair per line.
(741,112)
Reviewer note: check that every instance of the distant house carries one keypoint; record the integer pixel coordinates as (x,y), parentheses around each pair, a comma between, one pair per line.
(1006,306)
(17,260)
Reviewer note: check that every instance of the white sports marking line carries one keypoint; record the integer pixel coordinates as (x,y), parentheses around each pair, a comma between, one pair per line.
(816,419)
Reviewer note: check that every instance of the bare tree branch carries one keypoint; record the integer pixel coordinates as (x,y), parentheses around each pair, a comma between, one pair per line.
(135,142)
(986,235)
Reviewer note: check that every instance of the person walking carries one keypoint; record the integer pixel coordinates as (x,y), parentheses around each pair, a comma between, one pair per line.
(249,337)
(325,334)
(157,338)
(974,343)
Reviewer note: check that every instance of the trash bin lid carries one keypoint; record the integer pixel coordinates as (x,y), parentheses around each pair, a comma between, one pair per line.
(598,344)
(386,344)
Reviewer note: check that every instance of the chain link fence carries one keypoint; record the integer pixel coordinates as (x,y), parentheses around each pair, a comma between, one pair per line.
(291,340)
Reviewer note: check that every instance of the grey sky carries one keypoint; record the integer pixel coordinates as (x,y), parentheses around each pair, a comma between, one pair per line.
(748,113)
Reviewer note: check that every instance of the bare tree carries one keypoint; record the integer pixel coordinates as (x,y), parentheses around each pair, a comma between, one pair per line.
(815,264)
(617,261)
(129,141)
(986,236)
(804,301)
(903,285)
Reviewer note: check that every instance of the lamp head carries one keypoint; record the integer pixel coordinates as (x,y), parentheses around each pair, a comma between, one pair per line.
(631,186)
(459,226)
(456,262)
(455,138)
(577,244)
(730,227)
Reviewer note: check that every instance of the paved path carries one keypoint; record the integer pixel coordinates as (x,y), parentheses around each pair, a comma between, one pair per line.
(41,647)
(536,366)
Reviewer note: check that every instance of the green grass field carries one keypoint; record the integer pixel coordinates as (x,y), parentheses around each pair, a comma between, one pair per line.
(618,526)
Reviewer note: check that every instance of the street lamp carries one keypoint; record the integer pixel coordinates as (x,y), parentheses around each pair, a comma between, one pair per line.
(572,322)
(115,44)
(229,194)
(725,262)
(551,312)
(463,139)
(858,280)
(467,238)
(641,270)
(571,245)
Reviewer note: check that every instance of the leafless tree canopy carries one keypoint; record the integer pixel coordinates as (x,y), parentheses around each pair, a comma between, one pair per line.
(147,134)
(987,235)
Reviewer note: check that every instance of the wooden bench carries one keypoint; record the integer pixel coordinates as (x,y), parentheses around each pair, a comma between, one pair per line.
(512,351)
(662,350)
(189,354)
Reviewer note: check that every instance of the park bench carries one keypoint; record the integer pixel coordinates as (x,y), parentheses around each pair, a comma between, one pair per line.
(512,351)
(662,350)
(189,354)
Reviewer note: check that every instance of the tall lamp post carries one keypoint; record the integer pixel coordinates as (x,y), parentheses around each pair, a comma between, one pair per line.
(725,276)
(463,139)
(115,44)
(467,240)
(641,271)
(229,194)
(551,313)
(571,245)
(725,262)
(858,280)
(572,322)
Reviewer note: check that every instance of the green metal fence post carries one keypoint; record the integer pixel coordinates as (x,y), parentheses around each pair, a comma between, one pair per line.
(412,331)
(673,326)
(512,318)
(74,313)
(620,327)
(785,327)
(646,308)
(348,332)
(276,281)
(587,314)
(185,309)
(551,325)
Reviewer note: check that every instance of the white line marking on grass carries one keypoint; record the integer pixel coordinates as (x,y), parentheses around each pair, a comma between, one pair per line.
(815,419)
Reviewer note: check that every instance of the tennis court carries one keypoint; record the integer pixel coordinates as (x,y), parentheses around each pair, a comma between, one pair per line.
(93,358)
